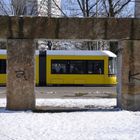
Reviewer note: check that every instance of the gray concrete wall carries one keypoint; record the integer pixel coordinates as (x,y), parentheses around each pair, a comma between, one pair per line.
(69,28)
(20,74)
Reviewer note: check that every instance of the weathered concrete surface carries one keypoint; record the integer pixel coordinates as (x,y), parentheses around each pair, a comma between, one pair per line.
(69,28)
(130,75)
(20,79)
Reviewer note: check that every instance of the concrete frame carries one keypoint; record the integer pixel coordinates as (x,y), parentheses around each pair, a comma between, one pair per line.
(125,30)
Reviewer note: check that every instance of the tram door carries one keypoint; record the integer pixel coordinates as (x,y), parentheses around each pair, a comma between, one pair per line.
(42,68)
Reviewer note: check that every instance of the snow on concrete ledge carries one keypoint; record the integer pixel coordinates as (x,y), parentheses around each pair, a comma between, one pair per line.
(71,102)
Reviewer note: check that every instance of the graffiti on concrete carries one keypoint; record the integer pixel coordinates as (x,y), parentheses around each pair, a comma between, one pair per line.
(133,76)
(21,74)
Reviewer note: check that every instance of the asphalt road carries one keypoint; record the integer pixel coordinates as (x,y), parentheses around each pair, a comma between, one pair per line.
(70,92)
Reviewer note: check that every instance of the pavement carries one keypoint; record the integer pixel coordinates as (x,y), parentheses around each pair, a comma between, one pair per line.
(70,92)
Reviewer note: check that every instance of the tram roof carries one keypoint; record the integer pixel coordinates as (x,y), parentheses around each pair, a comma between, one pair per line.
(74,52)
(2,51)
(81,53)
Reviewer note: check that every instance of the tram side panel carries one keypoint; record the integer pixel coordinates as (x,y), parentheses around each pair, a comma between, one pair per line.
(81,78)
(84,77)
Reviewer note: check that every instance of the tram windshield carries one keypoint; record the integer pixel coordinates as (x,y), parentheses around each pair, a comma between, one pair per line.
(112,66)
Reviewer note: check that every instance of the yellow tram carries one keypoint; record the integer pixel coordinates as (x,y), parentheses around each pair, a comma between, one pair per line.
(67,67)
(3,57)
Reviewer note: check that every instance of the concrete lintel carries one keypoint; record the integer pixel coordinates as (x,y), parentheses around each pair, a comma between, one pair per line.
(69,28)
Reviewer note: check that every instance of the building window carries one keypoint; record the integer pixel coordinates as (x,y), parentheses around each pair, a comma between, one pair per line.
(2,66)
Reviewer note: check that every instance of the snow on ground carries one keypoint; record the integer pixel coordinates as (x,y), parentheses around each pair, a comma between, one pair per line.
(81,103)
(84,125)
(71,102)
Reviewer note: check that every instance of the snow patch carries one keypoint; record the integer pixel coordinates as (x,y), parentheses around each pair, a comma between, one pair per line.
(89,125)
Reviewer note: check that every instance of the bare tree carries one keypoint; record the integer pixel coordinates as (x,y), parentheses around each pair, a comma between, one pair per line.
(86,6)
(80,8)
(114,8)
(95,8)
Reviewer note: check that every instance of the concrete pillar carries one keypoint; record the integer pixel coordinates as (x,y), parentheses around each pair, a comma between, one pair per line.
(20,74)
(130,96)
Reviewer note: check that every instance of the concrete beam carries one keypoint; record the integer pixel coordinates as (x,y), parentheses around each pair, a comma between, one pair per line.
(69,28)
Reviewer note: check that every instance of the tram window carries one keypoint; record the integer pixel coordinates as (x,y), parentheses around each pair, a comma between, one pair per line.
(112,66)
(95,67)
(2,66)
(77,67)
(58,66)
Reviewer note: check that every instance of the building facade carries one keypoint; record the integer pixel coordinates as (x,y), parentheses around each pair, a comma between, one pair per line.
(50,8)
(137,8)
